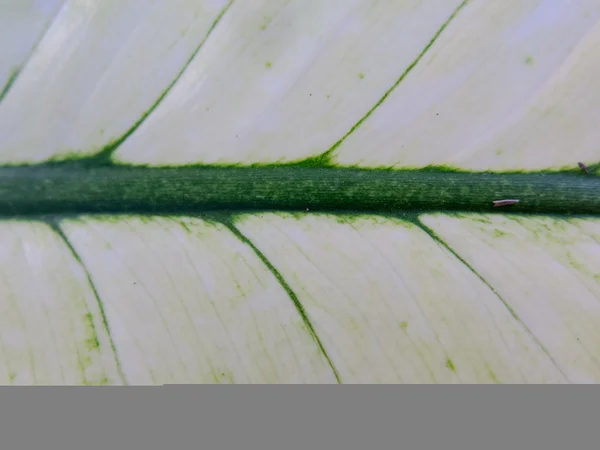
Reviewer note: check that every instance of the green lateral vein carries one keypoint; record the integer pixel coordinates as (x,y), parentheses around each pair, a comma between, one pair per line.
(72,189)
(104,155)
(58,230)
(327,154)
(290,292)
(443,243)
(11,79)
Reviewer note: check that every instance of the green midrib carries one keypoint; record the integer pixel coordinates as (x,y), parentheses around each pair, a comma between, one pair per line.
(80,189)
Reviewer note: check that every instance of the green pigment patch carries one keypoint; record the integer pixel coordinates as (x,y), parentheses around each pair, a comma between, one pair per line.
(492,374)
(224,376)
(101,382)
(498,233)
(91,341)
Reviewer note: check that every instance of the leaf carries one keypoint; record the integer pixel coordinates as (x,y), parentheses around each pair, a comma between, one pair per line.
(277,192)
(22,23)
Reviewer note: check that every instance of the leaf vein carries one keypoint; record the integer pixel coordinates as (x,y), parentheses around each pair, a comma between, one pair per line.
(291,294)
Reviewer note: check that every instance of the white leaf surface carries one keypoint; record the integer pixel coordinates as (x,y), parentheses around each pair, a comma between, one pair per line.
(508,86)
(284,81)
(547,270)
(188,302)
(51,326)
(393,306)
(22,25)
(100,67)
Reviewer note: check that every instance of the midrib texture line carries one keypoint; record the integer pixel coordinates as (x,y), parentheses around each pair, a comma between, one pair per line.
(327,154)
(73,189)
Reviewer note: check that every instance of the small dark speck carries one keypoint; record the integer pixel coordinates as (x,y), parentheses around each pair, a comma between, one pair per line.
(236,135)
(437,114)
(310,95)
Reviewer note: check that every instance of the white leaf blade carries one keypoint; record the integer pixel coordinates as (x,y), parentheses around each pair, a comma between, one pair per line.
(187,302)
(22,23)
(285,81)
(481,81)
(535,68)
(51,327)
(546,270)
(100,67)
(559,122)
(390,306)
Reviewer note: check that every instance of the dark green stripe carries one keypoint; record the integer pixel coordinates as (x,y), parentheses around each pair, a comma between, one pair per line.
(11,79)
(72,189)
